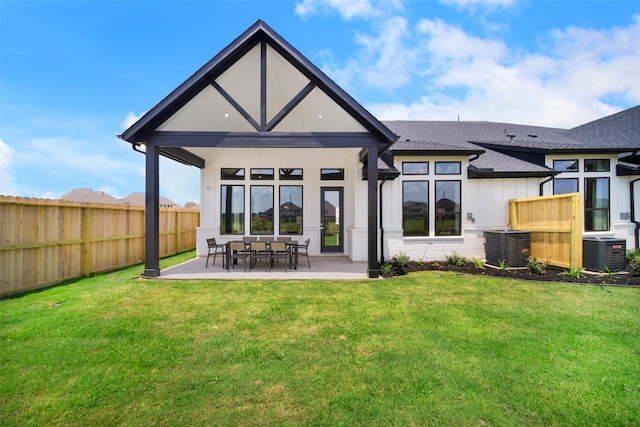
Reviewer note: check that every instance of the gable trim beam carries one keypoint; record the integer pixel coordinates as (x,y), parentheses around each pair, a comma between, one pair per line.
(262,139)
(182,156)
(235,105)
(289,107)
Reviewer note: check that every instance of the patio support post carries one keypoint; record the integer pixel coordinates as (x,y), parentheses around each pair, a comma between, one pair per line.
(372,232)
(152,213)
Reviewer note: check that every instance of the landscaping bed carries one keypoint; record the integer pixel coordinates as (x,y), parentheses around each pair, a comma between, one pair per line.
(628,278)
(536,270)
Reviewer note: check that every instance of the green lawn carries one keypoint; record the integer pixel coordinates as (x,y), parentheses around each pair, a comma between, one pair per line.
(425,349)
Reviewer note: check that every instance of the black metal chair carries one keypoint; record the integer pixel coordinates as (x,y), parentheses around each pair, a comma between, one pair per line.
(303,249)
(259,251)
(215,249)
(237,250)
(278,250)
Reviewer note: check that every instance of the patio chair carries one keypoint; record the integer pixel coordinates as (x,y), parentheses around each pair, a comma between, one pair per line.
(283,238)
(279,251)
(237,250)
(303,249)
(259,251)
(215,249)
(249,238)
(266,238)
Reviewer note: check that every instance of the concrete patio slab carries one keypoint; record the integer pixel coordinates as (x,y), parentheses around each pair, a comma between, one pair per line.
(324,268)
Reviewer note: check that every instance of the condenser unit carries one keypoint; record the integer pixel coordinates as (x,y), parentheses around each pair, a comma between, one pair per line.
(602,253)
(504,247)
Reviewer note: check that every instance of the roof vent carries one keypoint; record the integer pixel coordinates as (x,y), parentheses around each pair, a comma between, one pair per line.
(532,135)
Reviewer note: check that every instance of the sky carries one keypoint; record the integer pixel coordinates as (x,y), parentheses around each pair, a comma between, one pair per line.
(75,74)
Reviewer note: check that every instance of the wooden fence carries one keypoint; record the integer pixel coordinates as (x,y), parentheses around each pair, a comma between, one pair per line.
(555,223)
(44,242)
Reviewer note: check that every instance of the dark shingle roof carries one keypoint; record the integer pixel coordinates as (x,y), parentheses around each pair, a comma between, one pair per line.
(618,130)
(494,141)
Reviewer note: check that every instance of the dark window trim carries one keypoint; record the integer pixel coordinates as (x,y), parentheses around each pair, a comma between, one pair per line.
(417,173)
(588,209)
(273,207)
(232,177)
(329,177)
(255,176)
(577,181)
(447,173)
(301,207)
(244,209)
(435,205)
(608,169)
(577,162)
(428,219)
(290,177)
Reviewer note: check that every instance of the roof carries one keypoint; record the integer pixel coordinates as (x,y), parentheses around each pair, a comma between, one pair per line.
(497,144)
(138,199)
(205,76)
(617,130)
(90,196)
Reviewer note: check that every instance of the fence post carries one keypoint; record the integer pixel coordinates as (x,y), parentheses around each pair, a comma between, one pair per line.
(86,238)
(576,231)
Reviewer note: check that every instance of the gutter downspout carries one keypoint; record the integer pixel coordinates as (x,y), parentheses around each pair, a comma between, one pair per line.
(633,212)
(542,185)
(381,225)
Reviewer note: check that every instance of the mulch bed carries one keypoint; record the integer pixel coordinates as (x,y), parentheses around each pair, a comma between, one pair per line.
(628,278)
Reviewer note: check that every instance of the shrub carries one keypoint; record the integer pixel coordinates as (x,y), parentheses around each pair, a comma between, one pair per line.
(578,273)
(400,259)
(533,265)
(477,262)
(634,262)
(456,259)
(386,268)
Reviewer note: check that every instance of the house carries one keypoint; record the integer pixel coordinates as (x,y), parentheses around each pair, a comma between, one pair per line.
(268,129)
(89,195)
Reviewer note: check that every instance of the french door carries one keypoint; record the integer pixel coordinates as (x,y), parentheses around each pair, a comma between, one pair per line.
(331,224)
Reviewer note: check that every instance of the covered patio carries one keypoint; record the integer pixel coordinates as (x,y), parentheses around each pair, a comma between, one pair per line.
(322,267)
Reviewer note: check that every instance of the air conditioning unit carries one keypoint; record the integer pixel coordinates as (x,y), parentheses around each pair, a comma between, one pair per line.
(505,247)
(602,253)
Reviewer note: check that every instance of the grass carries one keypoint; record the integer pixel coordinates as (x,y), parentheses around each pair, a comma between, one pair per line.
(424,349)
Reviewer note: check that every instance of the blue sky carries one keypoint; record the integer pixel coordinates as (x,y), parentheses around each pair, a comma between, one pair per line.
(74,74)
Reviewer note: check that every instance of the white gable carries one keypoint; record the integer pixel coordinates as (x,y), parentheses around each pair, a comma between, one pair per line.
(209,111)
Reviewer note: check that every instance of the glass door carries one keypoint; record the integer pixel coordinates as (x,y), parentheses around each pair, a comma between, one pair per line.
(331,226)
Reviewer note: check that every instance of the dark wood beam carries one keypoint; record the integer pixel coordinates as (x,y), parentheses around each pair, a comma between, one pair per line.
(372,208)
(152,213)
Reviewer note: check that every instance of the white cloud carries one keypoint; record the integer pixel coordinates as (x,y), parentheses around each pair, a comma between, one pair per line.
(7,179)
(347,9)
(470,4)
(578,75)
(378,63)
(130,119)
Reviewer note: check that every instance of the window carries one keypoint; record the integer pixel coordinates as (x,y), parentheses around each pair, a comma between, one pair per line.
(596,204)
(232,209)
(290,174)
(565,185)
(415,168)
(566,165)
(596,165)
(262,209)
(290,209)
(262,174)
(232,173)
(415,208)
(331,174)
(448,217)
(447,168)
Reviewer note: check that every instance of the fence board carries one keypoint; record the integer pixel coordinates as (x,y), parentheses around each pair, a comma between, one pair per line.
(555,223)
(44,242)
